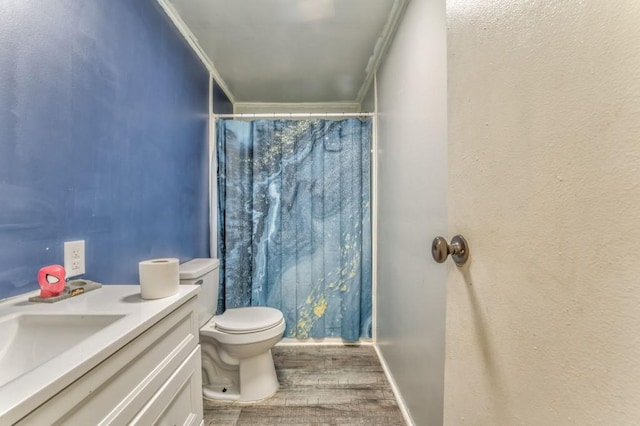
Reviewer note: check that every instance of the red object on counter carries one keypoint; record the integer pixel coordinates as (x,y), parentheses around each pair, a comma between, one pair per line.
(51,279)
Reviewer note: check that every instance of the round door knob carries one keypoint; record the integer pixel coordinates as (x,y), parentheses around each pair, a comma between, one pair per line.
(440,249)
(458,249)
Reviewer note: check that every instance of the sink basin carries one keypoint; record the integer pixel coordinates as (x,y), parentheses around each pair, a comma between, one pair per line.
(29,340)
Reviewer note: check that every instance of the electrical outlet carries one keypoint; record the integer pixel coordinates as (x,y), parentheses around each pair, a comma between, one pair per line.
(74,258)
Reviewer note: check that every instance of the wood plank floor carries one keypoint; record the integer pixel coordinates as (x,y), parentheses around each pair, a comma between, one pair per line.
(319,385)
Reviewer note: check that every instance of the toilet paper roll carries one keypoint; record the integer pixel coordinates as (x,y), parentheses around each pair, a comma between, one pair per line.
(159,278)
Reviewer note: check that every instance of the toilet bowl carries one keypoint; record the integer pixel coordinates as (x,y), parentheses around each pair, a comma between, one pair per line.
(236,345)
(242,338)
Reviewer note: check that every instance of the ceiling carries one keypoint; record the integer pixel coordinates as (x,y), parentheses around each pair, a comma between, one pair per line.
(290,51)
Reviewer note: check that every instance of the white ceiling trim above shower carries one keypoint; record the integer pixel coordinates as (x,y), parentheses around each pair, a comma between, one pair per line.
(289,51)
(306,107)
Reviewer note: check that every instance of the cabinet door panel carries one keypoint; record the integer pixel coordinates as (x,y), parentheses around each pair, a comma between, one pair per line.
(179,401)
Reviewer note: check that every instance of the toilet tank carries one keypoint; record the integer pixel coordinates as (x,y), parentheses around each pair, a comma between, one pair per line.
(203,272)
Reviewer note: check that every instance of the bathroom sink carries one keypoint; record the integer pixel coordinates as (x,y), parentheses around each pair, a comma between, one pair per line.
(29,340)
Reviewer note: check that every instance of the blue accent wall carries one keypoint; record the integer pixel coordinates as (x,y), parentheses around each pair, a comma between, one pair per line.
(103,137)
(221,103)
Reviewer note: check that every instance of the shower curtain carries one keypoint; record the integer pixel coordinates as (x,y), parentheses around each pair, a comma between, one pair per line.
(294,222)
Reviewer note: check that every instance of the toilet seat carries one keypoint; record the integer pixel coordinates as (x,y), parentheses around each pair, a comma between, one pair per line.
(247,320)
(210,330)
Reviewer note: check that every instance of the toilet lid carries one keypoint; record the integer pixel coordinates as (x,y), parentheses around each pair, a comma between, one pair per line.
(243,320)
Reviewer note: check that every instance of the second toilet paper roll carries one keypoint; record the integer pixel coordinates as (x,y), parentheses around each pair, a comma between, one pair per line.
(159,278)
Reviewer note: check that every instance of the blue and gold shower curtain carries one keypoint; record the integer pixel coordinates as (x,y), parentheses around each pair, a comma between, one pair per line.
(295,223)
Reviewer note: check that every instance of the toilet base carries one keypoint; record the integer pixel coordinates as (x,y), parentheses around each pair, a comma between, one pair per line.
(258,381)
(221,393)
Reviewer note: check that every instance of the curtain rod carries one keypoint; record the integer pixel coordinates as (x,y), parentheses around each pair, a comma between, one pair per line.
(295,114)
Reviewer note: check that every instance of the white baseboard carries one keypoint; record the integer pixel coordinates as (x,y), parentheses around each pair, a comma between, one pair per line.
(326,341)
(396,392)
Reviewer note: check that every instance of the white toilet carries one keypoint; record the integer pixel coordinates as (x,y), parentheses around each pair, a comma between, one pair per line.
(236,346)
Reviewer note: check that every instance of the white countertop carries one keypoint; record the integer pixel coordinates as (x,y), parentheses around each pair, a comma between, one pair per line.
(25,393)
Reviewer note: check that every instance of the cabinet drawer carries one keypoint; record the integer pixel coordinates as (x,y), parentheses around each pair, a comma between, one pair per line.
(179,401)
(120,386)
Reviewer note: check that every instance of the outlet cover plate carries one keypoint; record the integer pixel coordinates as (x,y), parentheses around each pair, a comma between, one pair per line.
(74,258)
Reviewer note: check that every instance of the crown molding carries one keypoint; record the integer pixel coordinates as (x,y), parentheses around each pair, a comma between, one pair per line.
(192,40)
(381,47)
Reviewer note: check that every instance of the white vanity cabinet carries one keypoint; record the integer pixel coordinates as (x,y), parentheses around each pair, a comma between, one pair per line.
(153,379)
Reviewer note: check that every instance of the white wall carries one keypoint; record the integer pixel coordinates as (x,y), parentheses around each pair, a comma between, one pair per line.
(544,181)
(412,208)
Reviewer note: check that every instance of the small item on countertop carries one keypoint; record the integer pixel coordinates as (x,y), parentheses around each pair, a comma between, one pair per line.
(159,278)
(72,288)
(51,279)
